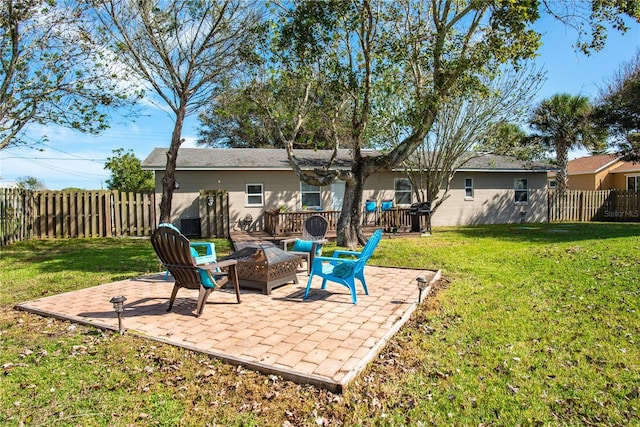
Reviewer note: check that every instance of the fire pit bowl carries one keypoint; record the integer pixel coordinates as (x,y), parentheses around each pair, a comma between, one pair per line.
(265,267)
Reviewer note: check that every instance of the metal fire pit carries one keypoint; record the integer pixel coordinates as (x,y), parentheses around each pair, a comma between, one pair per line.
(264,267)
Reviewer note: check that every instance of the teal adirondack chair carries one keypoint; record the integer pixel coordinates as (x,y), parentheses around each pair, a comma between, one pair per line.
(343,270)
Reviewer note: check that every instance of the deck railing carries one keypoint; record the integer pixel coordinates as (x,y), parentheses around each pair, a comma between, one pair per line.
(290,223)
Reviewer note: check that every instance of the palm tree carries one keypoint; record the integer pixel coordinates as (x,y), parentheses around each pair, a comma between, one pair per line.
(563,122)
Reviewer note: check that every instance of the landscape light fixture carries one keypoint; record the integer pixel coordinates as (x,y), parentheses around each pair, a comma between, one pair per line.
(422,285)
(118,306)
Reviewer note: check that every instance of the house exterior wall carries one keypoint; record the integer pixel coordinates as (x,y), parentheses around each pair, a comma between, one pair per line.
(493,200)
(602,180)
(620,179)
(581,182)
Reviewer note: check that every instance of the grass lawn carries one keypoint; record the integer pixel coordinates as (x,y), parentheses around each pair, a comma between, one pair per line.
(535,325)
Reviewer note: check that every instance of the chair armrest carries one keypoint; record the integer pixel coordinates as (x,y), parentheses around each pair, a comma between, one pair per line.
(218,265)
(285,242)
(205,259)
(344,252)
(331,259)
(210,247)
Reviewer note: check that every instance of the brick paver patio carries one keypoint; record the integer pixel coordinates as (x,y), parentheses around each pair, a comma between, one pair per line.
(324,340)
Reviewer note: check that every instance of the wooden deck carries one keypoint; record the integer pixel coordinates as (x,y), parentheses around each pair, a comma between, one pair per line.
(263,236)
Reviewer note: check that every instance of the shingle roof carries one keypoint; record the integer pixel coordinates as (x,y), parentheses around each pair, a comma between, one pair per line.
(591,164)
(275,159)
(627,167)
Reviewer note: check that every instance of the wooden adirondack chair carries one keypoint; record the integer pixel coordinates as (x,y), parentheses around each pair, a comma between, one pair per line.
(174,251)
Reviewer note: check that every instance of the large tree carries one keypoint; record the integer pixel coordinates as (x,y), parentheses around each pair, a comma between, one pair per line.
(563,122)
(347,64)
(51,71)
(618,108)
(462,124)
(182,51)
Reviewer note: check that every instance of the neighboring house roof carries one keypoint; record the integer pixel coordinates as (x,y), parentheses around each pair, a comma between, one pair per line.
(627,167)
(592,164)
(276,159)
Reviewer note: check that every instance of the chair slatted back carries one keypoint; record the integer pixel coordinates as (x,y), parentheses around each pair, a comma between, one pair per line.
(368,249)
(315,228)
(174,251)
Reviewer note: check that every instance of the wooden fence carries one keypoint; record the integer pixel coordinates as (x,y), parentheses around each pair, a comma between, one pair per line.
(68,214)
(600,205)
(28,214)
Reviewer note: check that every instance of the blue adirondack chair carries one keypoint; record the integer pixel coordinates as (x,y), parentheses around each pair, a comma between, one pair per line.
(343,270)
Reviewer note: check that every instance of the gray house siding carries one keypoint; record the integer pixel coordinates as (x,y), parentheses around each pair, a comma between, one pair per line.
(493,198)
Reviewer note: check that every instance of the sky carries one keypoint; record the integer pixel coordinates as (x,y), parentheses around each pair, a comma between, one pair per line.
(72,159)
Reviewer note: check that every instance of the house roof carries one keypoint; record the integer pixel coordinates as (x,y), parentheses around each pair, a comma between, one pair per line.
(276,159)
(627,167)
(592,164)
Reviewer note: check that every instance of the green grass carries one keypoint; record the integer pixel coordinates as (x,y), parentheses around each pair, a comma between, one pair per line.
(535,325)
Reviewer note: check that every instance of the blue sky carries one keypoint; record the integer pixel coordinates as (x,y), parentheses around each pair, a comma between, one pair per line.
(72,159)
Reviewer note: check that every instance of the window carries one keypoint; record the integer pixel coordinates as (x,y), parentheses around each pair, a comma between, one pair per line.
(633,182)
(402,187)
(553,184)
(310,195)
(468,188)
(521,187)
(255,196)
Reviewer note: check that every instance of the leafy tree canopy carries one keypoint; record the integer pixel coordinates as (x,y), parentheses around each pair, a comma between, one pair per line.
(510,139)
(563,122)
(51,71)
(31,183)
(368,71)
(126,172)
(618,108)
(181,50)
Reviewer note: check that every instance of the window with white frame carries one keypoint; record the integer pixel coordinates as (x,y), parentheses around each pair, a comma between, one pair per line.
(468,188)
(521,190)
(402,187)
(633,182)
(310,195)
(255,194)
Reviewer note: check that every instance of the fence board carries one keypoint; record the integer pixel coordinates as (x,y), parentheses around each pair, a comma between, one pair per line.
(28,214)
(599,205)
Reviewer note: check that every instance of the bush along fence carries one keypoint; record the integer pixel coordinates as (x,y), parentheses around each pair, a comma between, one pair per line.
(68,214)
(600,205)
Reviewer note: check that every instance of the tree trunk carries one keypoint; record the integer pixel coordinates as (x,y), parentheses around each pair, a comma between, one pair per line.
(169,179)
(562,157)
(349,233)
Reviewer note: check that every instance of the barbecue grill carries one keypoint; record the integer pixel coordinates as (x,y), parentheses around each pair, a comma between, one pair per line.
(418,210)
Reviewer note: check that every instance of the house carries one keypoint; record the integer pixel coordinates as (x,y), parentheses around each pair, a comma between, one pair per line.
(603,172)
(488,189)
